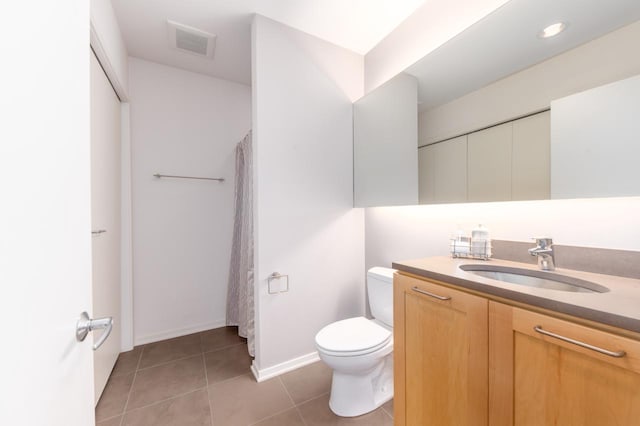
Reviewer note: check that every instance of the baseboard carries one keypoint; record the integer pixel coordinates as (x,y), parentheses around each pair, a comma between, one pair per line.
(267,373)
(177,332)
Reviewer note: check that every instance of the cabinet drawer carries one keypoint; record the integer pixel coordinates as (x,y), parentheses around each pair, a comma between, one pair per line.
(607,347)
(436,293)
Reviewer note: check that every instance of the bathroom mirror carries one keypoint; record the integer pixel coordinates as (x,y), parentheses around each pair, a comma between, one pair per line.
(499,113)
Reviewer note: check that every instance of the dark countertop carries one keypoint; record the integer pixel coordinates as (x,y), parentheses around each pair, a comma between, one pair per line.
(619,307)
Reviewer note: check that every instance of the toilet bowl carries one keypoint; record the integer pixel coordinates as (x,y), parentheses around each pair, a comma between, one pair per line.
(360,352)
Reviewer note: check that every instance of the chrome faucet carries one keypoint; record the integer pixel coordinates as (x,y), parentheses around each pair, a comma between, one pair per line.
(544,251)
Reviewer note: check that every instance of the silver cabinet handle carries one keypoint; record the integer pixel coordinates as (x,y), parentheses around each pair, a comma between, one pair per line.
(618,354)
(435,296)
(98,232)
(86,324)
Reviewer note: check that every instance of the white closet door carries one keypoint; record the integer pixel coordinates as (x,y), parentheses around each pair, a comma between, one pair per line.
(105,217)
(489,162)
(531,159)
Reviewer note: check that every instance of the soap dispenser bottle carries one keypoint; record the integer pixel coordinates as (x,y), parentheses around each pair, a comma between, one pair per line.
(480,242)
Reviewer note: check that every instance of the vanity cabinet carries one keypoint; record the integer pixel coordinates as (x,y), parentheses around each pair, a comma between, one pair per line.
(440,355)
(463,359)
(538,379)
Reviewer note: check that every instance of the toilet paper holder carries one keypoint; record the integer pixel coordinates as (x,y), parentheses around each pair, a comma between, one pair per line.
(277,276)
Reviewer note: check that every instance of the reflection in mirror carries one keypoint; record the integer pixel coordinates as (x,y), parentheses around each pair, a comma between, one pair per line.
(594,142)
(507,115)
(386,167)
(509,161)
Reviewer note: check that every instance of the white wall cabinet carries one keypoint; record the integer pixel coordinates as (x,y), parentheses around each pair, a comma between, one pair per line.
(510,161)
(489,164)
(443,172)
(530,171)
(427,175)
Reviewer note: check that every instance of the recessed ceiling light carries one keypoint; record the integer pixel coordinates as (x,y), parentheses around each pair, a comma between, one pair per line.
(552,30)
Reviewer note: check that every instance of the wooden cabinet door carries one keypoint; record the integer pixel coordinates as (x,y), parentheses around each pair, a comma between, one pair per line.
(544,380)
(440,355)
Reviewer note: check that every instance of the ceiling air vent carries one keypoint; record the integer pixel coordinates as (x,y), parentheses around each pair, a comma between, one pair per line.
(192,40)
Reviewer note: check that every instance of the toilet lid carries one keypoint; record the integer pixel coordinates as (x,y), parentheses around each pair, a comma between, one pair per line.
(352,335)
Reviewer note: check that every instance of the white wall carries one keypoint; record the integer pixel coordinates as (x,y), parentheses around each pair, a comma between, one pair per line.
(109,46)
(385,138)
(606,59)
(594,142)
(428,28)
(305,225)
(401,233)
(182,123)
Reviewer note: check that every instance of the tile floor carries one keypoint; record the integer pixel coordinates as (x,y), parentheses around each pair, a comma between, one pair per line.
(203,379)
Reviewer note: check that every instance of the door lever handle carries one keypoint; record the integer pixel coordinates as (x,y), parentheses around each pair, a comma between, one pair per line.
(86,324)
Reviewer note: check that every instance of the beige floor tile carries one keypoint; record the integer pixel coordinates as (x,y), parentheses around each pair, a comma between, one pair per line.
(242,401)
(288,418)
(308,382)
(317,412)
(114,421)
(127,362)
(166,381)
(388,407)
(114,397)
(219,338)
(188,410)
(170,350)
(227,363)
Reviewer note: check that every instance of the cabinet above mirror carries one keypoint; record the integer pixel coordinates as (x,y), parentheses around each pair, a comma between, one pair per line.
(497,75)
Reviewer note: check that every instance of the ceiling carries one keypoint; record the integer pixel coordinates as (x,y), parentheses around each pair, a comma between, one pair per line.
(506,42)
(357,25)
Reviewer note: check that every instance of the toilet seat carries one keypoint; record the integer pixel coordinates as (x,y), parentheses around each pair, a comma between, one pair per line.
(352,337)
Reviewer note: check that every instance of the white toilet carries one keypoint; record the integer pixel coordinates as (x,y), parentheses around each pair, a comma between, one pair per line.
(360,351)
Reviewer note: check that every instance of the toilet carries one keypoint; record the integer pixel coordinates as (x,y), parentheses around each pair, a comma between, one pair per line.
(360,351)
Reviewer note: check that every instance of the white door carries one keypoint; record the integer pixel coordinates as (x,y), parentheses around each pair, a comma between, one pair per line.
(45,214)
(105,218)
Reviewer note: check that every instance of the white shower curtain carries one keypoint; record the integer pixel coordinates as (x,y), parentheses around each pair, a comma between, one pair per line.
(240,304)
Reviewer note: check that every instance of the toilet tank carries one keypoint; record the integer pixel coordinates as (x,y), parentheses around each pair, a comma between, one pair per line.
(380,292)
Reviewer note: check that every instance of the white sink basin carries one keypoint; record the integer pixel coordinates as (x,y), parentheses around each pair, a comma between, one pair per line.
(533,278)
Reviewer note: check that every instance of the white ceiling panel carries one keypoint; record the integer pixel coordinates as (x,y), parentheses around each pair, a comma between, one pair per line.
(506,41)
(357,25)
